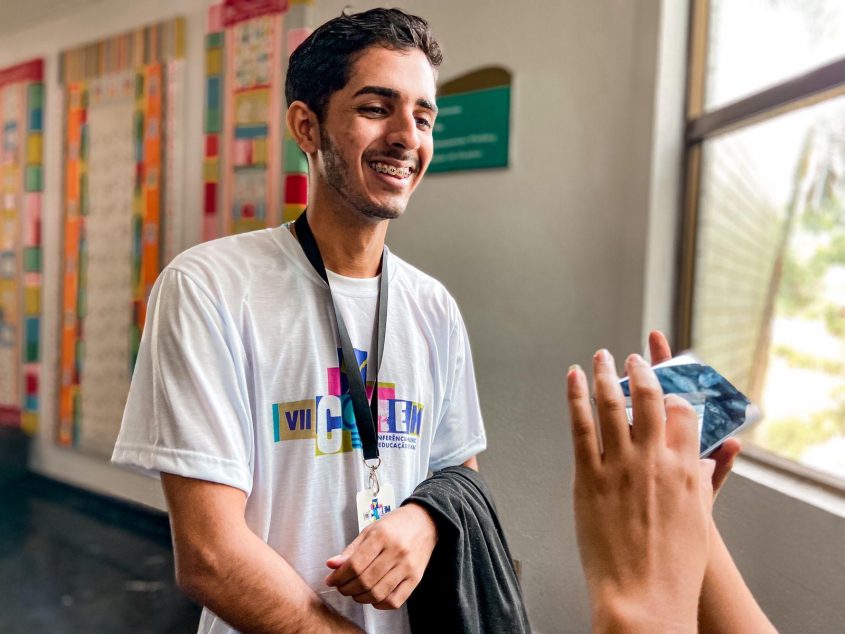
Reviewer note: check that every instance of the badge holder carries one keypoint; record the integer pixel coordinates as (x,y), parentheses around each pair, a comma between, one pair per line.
(376,501)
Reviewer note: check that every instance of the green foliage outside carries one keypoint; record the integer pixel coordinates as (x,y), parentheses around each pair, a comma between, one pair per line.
(802,294)
(791,437)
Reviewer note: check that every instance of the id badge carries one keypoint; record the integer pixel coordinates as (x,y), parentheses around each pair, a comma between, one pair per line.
(373,506)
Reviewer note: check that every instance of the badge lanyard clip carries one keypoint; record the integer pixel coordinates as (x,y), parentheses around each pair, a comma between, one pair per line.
(373,485)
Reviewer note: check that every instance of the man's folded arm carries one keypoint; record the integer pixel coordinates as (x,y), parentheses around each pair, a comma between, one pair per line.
(223,565)
(471,463)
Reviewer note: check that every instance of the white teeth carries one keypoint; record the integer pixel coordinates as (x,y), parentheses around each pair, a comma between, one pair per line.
(384,168)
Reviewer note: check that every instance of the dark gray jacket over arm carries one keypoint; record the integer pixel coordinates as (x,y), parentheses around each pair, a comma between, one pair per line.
(470,584)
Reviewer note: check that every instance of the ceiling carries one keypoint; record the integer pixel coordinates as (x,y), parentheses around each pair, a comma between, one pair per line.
(20,14)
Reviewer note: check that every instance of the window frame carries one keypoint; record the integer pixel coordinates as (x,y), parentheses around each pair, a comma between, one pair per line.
(818,85)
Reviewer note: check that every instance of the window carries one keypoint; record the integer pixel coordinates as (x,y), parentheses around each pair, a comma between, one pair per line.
(762,286)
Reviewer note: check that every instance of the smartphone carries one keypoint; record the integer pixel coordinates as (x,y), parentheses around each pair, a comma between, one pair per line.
(722,409)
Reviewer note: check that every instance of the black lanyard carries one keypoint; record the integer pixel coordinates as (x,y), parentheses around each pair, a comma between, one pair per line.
(365,417)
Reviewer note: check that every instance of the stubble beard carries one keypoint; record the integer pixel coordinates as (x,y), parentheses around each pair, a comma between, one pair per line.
(337,170)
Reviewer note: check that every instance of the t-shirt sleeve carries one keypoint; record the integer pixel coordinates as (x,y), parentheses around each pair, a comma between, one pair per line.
(459,434)
(188,408)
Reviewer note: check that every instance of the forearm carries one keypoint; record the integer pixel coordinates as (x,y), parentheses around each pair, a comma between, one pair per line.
(631,616)
(247,584)
(726,604)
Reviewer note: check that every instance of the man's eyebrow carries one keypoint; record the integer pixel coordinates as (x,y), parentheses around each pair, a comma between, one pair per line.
(425,103)
(381,91)
(389,93)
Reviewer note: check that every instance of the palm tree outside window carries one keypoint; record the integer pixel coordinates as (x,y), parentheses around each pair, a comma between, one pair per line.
(762,285)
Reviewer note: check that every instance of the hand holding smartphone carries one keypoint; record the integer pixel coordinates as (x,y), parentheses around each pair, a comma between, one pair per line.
(722,409)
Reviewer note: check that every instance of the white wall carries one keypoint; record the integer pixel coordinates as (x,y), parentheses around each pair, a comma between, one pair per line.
(569,249)
(790,550)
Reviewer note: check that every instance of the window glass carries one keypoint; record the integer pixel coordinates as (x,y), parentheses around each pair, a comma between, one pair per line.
(769,289)
(753,44)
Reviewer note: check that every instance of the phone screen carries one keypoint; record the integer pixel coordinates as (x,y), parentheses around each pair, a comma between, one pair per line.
(722,409)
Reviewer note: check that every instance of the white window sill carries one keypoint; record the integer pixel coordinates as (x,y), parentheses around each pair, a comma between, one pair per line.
(791,479)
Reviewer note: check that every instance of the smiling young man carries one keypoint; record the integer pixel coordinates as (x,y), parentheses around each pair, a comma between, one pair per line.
(241,398)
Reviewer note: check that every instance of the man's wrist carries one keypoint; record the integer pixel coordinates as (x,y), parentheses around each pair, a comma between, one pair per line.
(422,513)
(334,622)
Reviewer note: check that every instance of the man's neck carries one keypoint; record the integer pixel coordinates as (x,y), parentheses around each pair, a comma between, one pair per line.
(349,246)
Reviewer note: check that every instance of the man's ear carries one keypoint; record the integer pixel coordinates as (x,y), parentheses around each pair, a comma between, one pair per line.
(304,127)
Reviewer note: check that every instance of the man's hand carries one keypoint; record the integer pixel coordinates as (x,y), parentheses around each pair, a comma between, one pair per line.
(660,351)
(384,564)
(642,507)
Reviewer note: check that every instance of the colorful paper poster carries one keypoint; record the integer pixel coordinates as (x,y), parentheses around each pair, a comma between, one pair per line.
(21,187)
(248,162)
(122,98)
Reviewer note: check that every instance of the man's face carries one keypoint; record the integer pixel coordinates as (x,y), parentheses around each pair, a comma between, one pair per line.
(375,137)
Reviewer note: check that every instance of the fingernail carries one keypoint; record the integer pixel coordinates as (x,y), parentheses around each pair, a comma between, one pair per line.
(602,356)
(634,360)
(572,375)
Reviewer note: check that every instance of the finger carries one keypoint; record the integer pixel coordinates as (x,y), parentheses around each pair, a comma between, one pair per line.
(365,551)
(610,402)
(585,444)
(398,597)
(681,426)
(338,560)
(370,578)
(658,347)
(705,481)
(724,459)
(383,588)
(648,430)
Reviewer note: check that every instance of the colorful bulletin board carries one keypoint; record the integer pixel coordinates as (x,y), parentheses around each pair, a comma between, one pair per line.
(122,97)
(21,186)
(254,174)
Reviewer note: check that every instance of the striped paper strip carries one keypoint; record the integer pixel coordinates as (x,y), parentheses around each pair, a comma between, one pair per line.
(21,198)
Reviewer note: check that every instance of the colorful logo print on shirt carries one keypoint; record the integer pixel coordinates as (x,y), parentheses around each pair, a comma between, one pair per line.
(329,420)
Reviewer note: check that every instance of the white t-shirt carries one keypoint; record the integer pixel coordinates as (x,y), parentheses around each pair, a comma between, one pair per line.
(238,382)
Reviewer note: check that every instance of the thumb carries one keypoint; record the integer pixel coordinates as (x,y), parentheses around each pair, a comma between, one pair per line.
(338,560)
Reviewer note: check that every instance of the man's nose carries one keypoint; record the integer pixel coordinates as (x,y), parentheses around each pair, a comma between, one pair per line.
(403,131)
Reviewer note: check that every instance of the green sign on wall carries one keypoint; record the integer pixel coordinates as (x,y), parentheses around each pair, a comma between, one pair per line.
(472,126)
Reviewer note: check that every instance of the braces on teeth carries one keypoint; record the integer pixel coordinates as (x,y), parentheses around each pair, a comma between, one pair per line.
(402,172)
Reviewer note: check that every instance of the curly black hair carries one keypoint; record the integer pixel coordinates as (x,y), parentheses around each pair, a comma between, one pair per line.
(320,66)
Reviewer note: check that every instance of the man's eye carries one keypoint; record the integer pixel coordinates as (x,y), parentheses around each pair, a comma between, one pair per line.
(424,123)
(375,110)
